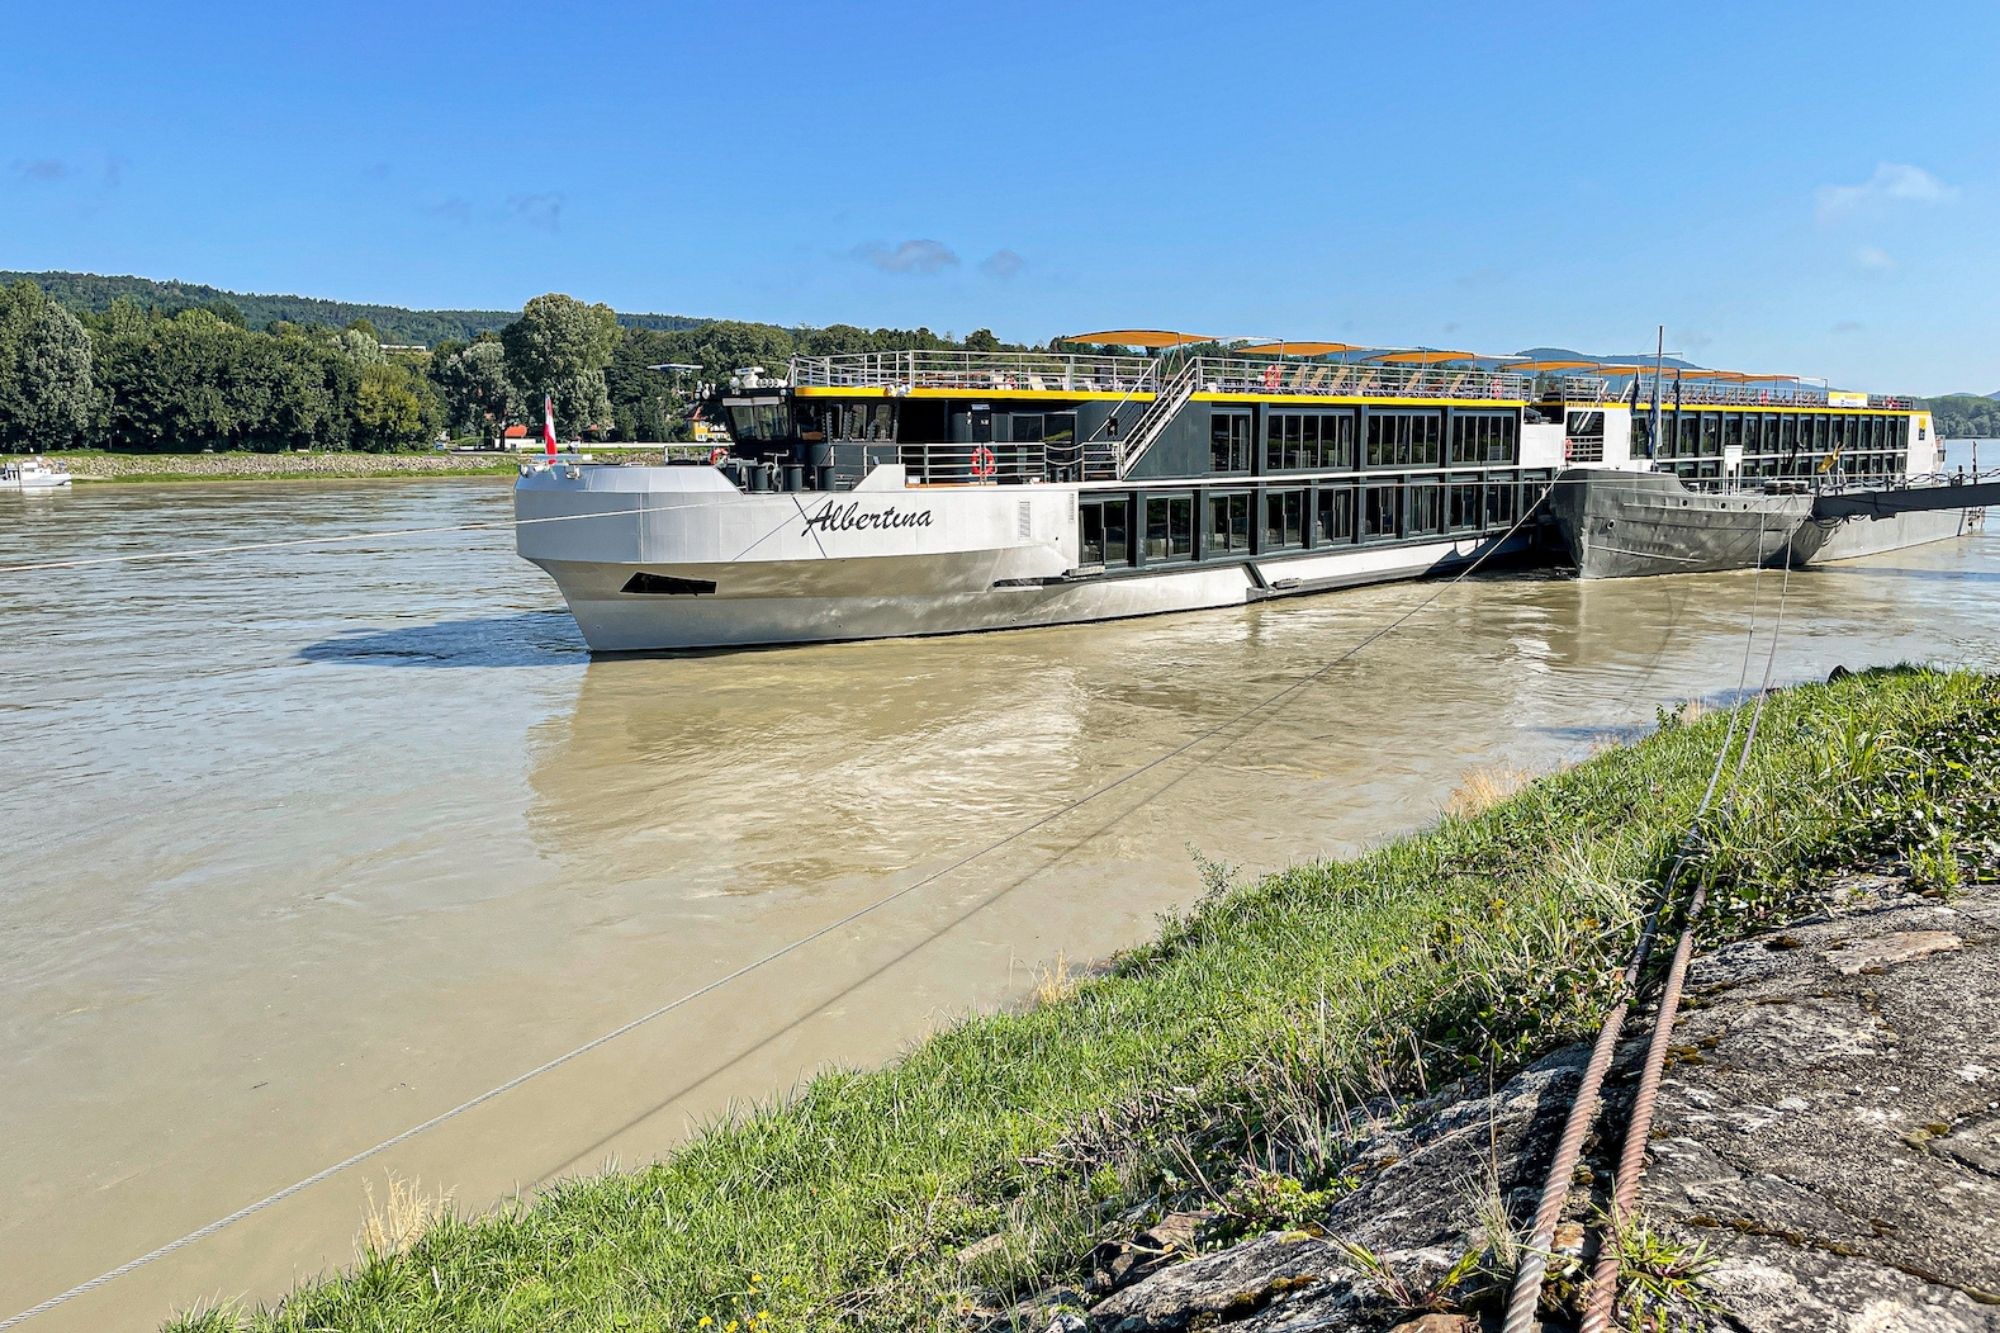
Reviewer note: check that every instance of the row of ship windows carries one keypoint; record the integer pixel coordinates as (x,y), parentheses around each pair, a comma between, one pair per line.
(1884,464)
(1697,433)
(1150,528)
(1325,441)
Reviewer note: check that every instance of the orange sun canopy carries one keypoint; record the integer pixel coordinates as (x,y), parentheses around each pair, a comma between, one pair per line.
(1422,356)
(1295,349)
(1137,338)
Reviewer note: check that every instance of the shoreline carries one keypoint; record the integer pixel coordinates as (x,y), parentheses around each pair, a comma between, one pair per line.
(94,468)
(1219,1067)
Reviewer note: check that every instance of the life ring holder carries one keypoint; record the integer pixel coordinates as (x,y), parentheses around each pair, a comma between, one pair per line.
(984,465)
(717,455)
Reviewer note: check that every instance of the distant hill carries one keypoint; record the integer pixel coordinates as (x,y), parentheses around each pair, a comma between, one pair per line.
(1634,358)
(95,293)
(1965,416)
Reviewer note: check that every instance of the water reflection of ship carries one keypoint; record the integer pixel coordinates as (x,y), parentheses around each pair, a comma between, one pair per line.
(789,769)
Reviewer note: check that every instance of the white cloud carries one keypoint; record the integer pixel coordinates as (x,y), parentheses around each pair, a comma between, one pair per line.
(1002,264)
(1893,182)
(541,211)
(912,256)
(43,170)
(1874,258)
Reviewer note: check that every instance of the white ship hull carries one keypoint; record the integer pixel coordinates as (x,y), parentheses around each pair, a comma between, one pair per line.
(880,561)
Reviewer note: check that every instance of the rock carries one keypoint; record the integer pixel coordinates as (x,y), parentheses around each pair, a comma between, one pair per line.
(1806,1152)
(1042,1311)
(1116,1264)
(983,1248)
(1437,1323)
(1229,1286)
(1885,951)
(1068,1323)
(1835,1149)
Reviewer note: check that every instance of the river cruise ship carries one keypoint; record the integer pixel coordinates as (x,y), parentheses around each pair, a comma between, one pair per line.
(927,492)
(934,492)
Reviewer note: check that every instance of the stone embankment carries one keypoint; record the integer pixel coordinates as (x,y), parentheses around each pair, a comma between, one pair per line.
(244,466)
(1826,1157)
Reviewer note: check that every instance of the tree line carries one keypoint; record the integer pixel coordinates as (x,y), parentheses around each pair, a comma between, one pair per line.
(143,378)
(93,293)
(1965,416)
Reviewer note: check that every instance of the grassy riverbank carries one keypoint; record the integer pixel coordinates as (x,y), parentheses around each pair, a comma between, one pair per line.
(980,1167)
(91,466)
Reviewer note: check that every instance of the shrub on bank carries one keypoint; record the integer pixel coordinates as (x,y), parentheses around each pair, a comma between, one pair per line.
(1220,1060)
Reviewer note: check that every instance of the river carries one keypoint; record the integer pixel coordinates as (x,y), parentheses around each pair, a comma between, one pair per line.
(306,844)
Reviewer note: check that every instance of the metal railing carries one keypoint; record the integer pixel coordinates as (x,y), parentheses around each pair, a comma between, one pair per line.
(1163,409)
(1055,371)
(1592,389)
(1356,380)
(998,463)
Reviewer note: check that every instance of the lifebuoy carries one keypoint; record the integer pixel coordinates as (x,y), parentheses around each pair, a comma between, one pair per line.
(983,465)
(716,455)
(1271,376)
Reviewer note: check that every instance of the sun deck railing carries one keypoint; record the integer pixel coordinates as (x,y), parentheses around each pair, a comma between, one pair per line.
(1051,371)
(1591,389)
(1356,380)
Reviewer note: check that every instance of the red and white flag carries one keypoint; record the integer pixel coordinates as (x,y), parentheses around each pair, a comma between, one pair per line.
(549,424)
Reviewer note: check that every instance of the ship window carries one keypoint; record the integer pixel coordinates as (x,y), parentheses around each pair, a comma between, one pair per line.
(1404,439)
(1336,515)
(1463,508)
(1027,429)
(1500,495)
(811,418)
(1690,435)
(1711,432)
(1169,527)
(1753,435)
(1284,519)
(867,421)
(1228,524)
(1642,434)
(1381,512)
(1426,508)
(1058,430)
(1336,440)
(760,421)
(1229,442)
(1104,530)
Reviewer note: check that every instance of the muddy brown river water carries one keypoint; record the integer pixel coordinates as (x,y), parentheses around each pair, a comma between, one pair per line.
(303,846)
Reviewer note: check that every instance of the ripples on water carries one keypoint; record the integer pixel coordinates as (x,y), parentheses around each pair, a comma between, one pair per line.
(267,902)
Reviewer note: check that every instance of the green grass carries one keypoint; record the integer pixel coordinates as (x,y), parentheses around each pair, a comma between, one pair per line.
(1226,1050)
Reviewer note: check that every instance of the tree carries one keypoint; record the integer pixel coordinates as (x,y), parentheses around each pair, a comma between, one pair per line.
(477,390)
(388,407)
(560,347)
(46,366)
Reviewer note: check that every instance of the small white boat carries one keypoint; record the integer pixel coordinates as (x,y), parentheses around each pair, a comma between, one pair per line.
(31,474)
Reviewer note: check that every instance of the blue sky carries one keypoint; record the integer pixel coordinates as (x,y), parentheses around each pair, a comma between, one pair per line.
(1806,189)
